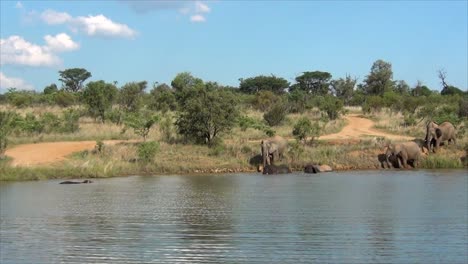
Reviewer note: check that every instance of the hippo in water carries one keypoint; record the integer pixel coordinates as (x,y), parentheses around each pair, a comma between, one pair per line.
(75,182)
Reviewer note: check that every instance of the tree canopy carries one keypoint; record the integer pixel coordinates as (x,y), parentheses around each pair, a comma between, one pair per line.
(74,78)
(263,83)
(380,78)
(316,82)
(99,97)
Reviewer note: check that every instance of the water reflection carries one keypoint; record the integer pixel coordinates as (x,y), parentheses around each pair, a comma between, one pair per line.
(352,217)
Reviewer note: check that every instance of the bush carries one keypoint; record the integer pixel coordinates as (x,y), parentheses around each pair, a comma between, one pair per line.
(64,98)
(276,115)
(70,121)
(147,150)
(331,105)
(6,127)
(141,123)
(264,100)
(166,128)
(304,129)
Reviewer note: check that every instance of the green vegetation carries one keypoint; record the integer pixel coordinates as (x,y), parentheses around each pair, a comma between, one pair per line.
(192,125)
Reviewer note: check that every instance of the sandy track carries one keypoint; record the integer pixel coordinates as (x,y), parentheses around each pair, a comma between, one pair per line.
(52,152)
(359,127)
(49,152)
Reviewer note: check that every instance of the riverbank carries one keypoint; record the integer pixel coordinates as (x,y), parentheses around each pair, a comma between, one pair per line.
(120,160)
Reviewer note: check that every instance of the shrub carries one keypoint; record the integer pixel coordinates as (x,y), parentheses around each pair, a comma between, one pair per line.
(6,127)
(147,150)
(51,122)
(276,115)
(70,121)
(141,123)
(264,100)
(304,129)
(166,128)
(64,98)
(331,105)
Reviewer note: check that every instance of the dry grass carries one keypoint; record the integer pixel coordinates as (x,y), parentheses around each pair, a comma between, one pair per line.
(235,154)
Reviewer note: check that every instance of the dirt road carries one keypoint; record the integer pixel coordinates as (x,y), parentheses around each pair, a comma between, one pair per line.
(359,127)
(52,152)
(49,152)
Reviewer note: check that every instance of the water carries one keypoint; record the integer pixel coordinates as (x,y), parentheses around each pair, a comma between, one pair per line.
(347,217)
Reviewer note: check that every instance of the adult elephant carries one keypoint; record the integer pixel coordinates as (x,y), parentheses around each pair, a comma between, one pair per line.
(403,152)
(439,133)
(273,149)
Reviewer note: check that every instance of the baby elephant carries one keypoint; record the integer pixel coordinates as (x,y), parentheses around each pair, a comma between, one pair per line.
(312,168)
(75,182)
(274,169)
(403,152)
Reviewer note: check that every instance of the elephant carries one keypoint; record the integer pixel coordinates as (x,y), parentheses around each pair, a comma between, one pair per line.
(273,149)
(276,169)
(75,182)
(403,152)
(441,133)
(312,168)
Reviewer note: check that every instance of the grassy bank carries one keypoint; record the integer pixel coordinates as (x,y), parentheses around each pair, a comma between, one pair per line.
(121,159)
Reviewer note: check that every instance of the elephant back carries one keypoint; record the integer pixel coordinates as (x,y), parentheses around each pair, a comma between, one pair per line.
(447,130)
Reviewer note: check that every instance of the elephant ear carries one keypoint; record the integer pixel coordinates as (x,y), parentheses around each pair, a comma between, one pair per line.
(438,132)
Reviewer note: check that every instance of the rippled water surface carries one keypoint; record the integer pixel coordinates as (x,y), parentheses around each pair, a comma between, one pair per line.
(346,217)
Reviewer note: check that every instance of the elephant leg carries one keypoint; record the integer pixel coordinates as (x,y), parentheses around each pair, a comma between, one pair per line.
(437,145)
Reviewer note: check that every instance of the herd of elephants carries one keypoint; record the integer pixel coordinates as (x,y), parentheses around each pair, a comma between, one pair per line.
(396,155)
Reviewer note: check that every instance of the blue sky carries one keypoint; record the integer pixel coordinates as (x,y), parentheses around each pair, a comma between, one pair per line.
(226,40)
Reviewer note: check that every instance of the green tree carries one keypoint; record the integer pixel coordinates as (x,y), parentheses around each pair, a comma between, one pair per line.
(206,115)
(304,129)
(277,114)
(401,87)
(131,95)
(316,82)
(99,97)
(163,98)
(451,90)
(344,88)
(298,101)
(263,83)
(331,105)
(380,78)
(51,89)
(74,78)
(185,86)
(264,100)
(420,90)
(141,123)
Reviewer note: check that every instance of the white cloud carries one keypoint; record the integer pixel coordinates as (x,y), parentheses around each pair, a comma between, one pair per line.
(16,50)
(201,7)
(102,26)
(19,5)
(61,42)
(52,17)
(192,9)
(197,18)
(98,25)
(11,82)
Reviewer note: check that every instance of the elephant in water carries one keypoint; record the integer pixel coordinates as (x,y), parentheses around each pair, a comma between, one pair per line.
(312,168)
(403,152)
(443,132)
(273,149)
(273,169)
